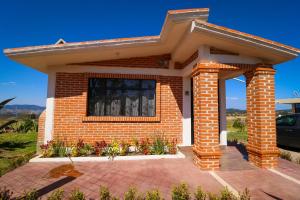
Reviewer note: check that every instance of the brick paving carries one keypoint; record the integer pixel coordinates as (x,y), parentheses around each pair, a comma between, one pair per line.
(162,174)
(262,183)
(117,175)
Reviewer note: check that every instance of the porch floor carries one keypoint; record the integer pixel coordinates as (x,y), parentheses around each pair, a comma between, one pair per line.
(162,174)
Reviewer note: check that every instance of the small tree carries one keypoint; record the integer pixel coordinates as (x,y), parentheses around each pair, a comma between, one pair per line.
(10,122)
(239,124)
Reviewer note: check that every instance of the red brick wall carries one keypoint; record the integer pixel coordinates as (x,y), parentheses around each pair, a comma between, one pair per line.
(206,120)
(41,129)
(262,147)
(70,112)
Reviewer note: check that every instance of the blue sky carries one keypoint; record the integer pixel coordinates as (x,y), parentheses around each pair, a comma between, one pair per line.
(35,22)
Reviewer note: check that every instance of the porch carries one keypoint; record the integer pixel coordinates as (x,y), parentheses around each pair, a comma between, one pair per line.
(208,112)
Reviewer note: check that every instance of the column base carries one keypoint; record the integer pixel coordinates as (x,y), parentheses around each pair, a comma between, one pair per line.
(207,160)
(263,159)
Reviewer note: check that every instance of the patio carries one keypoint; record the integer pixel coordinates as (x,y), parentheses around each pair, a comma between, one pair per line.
(162,174)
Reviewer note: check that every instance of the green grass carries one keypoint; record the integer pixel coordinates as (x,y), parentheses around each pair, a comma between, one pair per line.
(16,149)
(238,136)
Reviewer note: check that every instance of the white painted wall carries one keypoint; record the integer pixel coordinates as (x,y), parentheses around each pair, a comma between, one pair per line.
(222,107)
(49,121)
(186,116)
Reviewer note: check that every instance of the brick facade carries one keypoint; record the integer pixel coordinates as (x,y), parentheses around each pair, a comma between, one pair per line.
(262,147)
(206,121)
(155,61)
(41,129)
(70,112)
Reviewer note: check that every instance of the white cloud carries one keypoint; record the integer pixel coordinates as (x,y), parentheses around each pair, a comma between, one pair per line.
(233,98)
(9,83)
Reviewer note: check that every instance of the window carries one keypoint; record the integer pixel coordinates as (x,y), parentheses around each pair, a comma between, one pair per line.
(286,121)
(121,97)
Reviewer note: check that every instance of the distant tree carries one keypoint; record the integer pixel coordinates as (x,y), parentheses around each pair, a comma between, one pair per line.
(239,124)
(10,122)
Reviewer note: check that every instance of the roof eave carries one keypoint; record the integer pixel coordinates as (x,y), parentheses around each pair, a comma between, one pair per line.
(252,40)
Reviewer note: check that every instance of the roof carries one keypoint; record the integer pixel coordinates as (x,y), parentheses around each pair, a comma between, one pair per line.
(182,33)
(288,101)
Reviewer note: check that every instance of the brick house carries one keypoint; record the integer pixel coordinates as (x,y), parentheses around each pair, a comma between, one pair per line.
(172,83)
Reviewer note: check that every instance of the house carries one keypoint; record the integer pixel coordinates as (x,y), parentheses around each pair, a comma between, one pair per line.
(295,102)
(172,83)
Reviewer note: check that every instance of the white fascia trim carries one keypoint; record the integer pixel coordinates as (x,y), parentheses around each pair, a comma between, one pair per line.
(203,27)
(77,46)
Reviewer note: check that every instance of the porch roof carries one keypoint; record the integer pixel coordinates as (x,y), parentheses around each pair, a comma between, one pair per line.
(181,35)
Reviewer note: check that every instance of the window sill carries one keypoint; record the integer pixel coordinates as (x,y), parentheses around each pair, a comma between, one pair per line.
(120,119)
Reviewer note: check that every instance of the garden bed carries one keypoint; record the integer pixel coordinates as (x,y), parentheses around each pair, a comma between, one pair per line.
(157,147)
(107,158)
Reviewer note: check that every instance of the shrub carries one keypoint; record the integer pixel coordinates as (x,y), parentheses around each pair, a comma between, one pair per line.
(153,195)
(104,193)
(245,195)
(86,150)
(77,195)
(158,146)
(132,194)
(212,196)
(113,150)
(286,155)
(47,150)
(30,195)
(27,125)
(172,147)
(58,148)
(57,195)
(200,194)
(227,195)
(124,148)
(100,147)
(136,145)
(5,194)
(144,146)
(181,192)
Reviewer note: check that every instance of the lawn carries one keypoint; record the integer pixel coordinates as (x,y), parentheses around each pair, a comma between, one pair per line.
(16,149)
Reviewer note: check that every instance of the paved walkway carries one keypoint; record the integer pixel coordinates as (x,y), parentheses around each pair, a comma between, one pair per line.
(161,174)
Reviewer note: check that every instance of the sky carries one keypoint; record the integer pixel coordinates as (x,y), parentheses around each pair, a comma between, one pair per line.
(36,22)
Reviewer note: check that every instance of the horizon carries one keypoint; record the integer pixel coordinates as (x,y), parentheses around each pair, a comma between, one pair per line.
(90,20)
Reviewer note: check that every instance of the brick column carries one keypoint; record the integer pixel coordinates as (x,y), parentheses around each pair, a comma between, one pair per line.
(206,121)
(262,149)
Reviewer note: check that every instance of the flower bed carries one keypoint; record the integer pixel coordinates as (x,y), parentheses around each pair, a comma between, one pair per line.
(156,146)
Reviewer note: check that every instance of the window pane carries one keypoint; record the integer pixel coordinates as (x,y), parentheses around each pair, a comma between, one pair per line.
(148,103)
(148,84)
(286,121)
(96,97)
(131,102)
(97,83)
(131,84)
(113,102)
(114,83)
(121,97)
